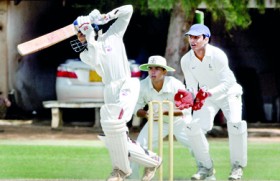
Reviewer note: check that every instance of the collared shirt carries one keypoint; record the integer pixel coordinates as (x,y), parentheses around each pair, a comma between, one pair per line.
(212,72)
(148,93)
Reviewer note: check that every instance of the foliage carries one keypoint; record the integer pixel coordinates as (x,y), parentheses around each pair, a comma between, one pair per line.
(235,13)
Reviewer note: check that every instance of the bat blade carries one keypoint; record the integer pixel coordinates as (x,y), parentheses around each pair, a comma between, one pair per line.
(46,40)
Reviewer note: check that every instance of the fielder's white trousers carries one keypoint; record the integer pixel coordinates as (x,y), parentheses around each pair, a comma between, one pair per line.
(231,107)
(179,133)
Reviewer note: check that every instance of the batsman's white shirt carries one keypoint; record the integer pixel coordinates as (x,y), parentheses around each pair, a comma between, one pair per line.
(213,72)
(108,57)
(168,91)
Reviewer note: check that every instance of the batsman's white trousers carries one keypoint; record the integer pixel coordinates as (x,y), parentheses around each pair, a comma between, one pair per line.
(120,98)
(124,93)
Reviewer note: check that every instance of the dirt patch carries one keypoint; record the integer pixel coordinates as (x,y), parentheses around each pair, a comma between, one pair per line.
(26,130)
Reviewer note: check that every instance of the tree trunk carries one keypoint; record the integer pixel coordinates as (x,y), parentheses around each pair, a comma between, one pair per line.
(177,44)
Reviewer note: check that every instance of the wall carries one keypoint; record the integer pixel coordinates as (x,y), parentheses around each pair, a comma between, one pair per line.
(28,20)
(3,49)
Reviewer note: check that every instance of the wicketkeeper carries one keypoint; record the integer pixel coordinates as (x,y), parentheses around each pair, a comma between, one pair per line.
(208,75)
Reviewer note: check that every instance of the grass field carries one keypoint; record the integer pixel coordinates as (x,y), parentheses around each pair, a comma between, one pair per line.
(89,160)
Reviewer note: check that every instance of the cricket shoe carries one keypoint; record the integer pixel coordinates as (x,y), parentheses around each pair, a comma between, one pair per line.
(204,173)
(149,172)
(236,173)
(117,175)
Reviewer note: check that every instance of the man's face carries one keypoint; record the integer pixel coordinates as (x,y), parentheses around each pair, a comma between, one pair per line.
(81,37)
(197,42)
(157,73)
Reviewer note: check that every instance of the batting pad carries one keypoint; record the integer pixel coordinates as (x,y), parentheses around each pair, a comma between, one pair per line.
(115,130)
(237,133)
(139,155)
(199,145)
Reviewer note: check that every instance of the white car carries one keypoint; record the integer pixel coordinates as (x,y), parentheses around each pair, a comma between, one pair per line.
(77,81)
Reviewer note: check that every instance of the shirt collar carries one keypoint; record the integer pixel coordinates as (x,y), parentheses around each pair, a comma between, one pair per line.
(207,51)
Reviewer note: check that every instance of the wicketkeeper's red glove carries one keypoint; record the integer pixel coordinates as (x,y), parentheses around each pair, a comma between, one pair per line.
(183,99)
(200,99)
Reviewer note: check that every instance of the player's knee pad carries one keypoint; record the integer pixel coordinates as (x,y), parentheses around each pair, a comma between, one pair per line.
(111,111)
(137,154)
(111,119)
(237,133)
(198,144)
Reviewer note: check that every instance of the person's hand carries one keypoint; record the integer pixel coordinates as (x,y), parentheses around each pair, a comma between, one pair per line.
(94,16)
(155,115)
(200,99)
(84,25)
(183,99)
(97,18)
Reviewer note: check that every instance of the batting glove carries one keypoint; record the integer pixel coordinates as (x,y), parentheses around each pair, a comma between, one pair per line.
(183,99)
(99,19)
(84,25)
(96,17)
(200,99)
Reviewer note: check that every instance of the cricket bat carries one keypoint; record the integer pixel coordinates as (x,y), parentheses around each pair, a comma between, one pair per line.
(46,40)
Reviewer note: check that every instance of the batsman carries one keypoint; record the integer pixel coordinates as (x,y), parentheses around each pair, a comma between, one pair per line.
(107,54)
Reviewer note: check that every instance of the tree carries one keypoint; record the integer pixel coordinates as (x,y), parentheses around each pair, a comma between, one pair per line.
(234,14)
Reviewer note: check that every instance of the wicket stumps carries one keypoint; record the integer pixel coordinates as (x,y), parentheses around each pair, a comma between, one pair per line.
(160,138)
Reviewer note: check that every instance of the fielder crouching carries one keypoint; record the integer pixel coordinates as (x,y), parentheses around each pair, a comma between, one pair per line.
(158,86)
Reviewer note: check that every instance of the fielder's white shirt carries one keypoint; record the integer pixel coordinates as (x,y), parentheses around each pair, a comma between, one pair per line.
(108,55)
(169,89)
(212,72)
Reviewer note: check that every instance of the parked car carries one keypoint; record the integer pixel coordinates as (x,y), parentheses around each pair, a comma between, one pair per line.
(77,81)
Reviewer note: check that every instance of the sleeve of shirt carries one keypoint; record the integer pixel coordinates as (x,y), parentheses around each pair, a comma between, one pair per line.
(91,56)
(224,74)
(85,57)
(123,15)
(190,81)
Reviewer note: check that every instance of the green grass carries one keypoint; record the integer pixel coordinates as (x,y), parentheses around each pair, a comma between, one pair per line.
(90,160)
